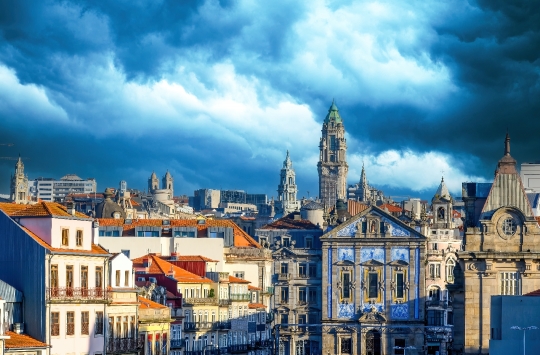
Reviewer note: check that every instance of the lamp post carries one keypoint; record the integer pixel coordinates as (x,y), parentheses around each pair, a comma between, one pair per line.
(404,348)
(532,327)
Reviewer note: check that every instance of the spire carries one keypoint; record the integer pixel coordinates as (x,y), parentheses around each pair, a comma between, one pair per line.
(442,192)
(287,163)
(363,179)
(333,114)
(507,144)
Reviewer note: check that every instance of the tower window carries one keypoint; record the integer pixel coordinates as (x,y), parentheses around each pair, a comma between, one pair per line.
(332,157)
(333,142)
(440,213)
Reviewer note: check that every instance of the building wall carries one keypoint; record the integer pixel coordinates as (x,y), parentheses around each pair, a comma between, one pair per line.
(24,263)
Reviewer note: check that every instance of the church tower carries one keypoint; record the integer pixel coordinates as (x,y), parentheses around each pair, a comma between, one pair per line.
(287,189)
(441,204)
(332,166)
(19,184)
(363,187)
(153,183)
(167,182)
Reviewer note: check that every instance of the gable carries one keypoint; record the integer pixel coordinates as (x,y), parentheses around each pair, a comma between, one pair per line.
(507,191)
(376,222)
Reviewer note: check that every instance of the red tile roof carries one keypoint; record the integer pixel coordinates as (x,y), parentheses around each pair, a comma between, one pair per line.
(10,208)
(256,305)
(41,209)
(145,303)
(253,288)
(20,341)
(288,222)
(193,258)
(355,207)
(160,266)
(236,280)
(533,293)
(390,208)
(241,238)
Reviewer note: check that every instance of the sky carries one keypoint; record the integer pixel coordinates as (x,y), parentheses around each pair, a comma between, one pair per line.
(216,92)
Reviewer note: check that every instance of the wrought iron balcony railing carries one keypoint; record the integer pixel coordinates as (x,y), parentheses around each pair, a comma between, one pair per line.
(238,348)
(67,294)
(240,297)
(178,343)
(122,345)
(201,301)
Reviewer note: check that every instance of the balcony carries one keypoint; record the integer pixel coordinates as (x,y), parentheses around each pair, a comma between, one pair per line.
(178,343)
(123,345)
(221,326)
(268,291)
(303,276)
(194,326)
(224,303)
(78,294)
(197,301)
(434,303)
(176,313)
(264,344)
(283,277)
(240,297)
(238,348)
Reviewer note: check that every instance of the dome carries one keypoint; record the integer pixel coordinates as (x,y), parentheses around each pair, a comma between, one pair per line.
(108,208)
(312,206)
(333,114)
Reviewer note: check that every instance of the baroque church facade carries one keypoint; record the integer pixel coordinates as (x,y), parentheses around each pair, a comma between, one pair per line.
(373,285)
(332,167)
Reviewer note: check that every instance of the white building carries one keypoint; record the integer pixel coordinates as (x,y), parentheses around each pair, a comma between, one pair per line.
(49,189)
(54,260)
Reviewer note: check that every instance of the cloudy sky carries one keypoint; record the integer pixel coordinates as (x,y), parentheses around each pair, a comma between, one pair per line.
(217,91)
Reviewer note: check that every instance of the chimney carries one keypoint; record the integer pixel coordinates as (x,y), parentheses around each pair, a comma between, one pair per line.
(174,256)
(71,208)
(95,232)
(18,328)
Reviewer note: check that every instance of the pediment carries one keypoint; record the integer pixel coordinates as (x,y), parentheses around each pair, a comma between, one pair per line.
(372,262)
(344,263)
(398,263)
(284,252)
(372,316)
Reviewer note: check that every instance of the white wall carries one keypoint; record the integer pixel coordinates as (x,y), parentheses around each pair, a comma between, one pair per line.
(121,263)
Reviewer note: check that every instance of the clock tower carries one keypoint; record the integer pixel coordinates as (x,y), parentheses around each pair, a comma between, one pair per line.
(19,184)
(332,166)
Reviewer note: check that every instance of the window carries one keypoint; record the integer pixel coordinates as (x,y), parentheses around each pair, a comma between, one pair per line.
(184,234)
(99,323)
(509,226)
(284,268)
(217,235)
(79,238)
(434,270)
(132,327)
(332,142)
(286,242)
(434,294)
(312,270)
(450,318)
(346,345)
(107,233)
(147,234)
(312,294)
(309,242)
(302,270)
(84,276)
(450,265)
(373,285)
(70,323)
(69,276)
(284,294)
(126,278)
(284,319)
(54,275)
(399,345)
(440,213)
(55,323)
(302,294)
(435,317)
(117,278)
(125,328)
(65,237)
(99,276)
(85,322)
(239,274)
(510,283)
(400,285)
(345,285)
(302,319)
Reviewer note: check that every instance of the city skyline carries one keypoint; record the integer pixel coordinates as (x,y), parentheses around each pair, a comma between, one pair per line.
(216,92)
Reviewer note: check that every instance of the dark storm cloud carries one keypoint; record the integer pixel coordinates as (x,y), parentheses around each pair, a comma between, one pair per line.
(464,73)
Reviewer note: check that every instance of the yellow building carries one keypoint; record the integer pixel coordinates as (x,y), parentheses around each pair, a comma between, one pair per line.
(154,327)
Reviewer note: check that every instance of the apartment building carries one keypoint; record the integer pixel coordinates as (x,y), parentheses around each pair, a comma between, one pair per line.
(50,253)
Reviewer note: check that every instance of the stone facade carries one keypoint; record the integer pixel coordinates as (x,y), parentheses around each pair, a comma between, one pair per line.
(500,257)
(332,166)
(19,184)
(373,285)
(287,189)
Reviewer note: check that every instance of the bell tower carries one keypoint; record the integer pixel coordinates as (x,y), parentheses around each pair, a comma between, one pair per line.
(332,166)
(19,184)
(167,182)
(153,183)
(287,189)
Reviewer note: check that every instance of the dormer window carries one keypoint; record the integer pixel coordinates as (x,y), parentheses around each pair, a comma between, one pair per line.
(286,241)
(116,215)
(65,237)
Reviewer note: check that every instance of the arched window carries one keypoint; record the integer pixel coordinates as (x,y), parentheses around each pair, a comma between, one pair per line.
(440,213)
(450,265)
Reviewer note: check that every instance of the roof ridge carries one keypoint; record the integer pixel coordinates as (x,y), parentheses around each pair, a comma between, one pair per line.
(44,204)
